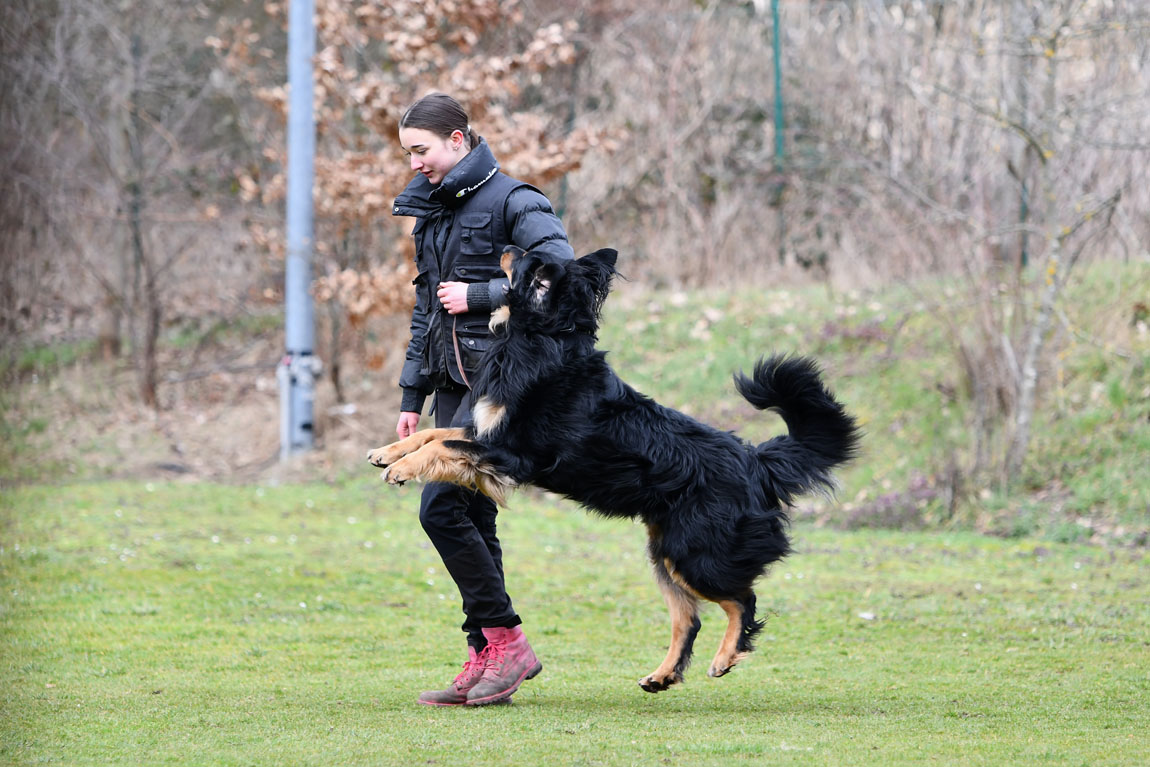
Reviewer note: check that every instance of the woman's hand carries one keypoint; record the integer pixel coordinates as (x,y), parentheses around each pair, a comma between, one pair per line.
(453,296)
(408,424)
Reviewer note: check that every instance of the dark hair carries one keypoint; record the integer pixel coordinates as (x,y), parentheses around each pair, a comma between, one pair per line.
(440,114)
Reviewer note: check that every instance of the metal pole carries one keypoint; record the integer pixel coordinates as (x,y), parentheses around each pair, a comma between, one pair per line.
(778,86)
(299,367)
(780,179)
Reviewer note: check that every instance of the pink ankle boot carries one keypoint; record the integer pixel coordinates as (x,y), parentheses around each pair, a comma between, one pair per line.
(509,662)
(456,692)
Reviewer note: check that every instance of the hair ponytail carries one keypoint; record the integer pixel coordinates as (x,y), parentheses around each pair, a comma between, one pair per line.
(440,114)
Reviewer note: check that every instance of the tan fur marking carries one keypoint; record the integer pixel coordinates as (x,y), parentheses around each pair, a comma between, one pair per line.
(499,318)
(505,262)
(389,454)
(435,462)
(682,605)
(728,655)
(679,580)
(488,416)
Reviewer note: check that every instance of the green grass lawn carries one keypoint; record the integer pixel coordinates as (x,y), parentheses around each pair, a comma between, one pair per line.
(216,625)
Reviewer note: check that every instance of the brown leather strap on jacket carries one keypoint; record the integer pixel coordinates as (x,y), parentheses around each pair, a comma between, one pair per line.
(458,356)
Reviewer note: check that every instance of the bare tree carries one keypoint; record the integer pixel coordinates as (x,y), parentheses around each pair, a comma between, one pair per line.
(988,140)
(27,276)
(691,82)
(999,142)
(122,169)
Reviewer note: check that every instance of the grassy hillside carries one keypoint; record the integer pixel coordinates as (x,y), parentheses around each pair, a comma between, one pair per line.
(890,359)
(888,356)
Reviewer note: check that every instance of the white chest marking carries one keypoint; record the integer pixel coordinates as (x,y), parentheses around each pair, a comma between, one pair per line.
(499,317)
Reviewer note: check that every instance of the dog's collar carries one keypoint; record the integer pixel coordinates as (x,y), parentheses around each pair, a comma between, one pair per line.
(570,330)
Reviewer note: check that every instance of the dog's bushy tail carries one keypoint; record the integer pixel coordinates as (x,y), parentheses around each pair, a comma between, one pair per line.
(822,434)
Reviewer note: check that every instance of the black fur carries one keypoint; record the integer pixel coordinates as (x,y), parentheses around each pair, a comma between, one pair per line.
(549,411)
(714,504)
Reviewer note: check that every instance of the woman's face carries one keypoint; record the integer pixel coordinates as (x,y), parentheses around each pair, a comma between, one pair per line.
(431,155)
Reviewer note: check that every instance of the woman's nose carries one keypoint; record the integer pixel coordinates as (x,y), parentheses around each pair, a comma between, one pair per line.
(415,163)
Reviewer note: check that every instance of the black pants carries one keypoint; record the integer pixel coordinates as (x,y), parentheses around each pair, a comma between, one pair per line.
(461,526)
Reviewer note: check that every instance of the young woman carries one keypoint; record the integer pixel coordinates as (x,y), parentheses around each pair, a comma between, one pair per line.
(466,213)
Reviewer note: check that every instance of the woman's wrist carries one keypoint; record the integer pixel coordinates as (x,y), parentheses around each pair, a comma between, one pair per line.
(412,401)
(478,297)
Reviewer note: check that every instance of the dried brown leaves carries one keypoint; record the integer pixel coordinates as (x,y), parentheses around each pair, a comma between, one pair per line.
(373,58)
(379,291)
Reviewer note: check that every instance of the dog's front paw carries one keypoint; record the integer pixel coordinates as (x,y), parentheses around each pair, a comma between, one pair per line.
(658,683)
(384,456)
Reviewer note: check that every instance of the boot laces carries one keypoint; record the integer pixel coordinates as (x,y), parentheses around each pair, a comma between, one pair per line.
(495,653)
(471,668)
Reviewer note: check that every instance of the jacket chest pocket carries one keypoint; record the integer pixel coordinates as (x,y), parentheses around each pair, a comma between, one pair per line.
(475,234)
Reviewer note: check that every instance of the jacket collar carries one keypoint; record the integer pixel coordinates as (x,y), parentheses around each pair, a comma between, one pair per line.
(421,198)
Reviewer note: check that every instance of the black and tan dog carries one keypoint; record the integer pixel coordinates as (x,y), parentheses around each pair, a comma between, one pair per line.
(550,411)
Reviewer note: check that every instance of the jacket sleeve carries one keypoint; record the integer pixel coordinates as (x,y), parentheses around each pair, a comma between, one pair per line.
(532,225)
(415,385)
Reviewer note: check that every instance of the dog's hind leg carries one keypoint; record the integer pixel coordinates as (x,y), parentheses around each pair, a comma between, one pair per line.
(741,630)
(683,605)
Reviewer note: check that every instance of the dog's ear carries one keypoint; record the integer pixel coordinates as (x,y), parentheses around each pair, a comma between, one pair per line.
(544,278)
(599,268)
(604,258)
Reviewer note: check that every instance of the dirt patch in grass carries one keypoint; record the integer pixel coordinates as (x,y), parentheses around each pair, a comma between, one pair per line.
(219,420)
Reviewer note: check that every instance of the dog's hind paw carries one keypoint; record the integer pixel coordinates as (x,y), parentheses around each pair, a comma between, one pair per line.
(655,683)
(724,664)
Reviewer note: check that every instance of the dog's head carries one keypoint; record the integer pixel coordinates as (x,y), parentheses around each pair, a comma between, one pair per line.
(551,295)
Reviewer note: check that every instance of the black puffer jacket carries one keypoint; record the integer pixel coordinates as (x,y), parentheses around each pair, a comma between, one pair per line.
(461,229)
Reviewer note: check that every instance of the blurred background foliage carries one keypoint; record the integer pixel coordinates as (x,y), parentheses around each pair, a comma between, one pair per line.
(957,226)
